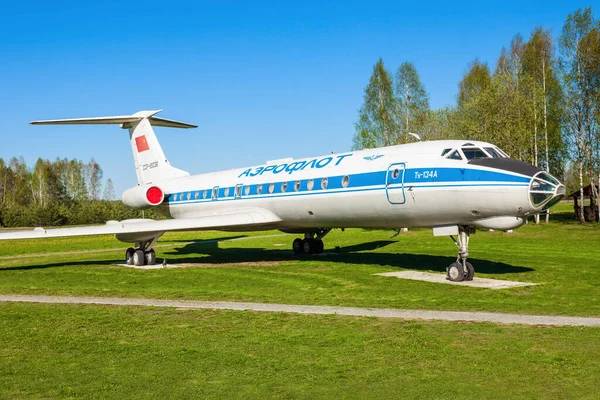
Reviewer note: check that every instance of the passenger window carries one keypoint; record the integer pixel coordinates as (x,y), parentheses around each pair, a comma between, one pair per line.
(297,186)
(283,187)
(259,189)
(345,181)
(226,192)
(247,190)
(310,184)
(455,155)
(271,188)
(324,183)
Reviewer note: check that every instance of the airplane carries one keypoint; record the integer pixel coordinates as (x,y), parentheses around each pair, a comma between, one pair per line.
(452,186)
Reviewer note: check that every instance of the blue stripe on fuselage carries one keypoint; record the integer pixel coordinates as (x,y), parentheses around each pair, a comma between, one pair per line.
(416,177)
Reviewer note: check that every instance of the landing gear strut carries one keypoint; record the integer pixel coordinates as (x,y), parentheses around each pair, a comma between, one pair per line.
(312,242)
(461,270)
(143,254)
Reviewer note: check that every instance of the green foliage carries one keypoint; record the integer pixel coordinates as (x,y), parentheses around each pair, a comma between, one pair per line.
(377,125)
(412,102)
(474,83)
(55,194)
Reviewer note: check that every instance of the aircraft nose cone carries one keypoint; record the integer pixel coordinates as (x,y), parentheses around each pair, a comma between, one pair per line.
(545,191)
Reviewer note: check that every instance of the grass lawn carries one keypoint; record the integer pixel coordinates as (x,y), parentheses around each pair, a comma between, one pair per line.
(70,351)
(562,257)
(75,351)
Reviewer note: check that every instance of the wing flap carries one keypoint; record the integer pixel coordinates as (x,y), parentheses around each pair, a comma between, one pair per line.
(250,218)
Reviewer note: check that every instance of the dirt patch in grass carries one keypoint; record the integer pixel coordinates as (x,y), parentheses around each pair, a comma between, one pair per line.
(231,265)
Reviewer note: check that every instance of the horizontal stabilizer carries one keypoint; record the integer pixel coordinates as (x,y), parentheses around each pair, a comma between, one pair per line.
(126,121)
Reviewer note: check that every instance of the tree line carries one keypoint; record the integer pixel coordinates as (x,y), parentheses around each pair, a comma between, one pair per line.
(540,103)
(63,192)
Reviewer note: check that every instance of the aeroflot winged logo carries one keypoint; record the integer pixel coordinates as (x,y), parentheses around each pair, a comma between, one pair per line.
(141,143)
(295,166)
(373,157)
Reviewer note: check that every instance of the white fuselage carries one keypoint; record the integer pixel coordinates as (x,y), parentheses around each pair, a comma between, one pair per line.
(408,185)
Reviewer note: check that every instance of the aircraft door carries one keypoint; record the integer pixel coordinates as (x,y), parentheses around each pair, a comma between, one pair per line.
(394,183)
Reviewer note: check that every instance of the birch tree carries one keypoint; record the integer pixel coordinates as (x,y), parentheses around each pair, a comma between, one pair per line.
(376,125)
(94,180)
(412,101)
(578,124)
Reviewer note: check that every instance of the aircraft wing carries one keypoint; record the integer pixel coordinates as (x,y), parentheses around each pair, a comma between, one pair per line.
(140,226)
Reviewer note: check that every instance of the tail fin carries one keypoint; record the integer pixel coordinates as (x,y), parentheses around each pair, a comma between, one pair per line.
(151,165)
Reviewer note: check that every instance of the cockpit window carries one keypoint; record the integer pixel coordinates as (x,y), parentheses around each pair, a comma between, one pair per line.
(492,152)
(445,151)
(501,152)
(455,155)
(474,152)
(548,178)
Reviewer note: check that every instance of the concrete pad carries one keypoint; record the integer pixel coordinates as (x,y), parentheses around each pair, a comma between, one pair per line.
(155,266)
(441,278)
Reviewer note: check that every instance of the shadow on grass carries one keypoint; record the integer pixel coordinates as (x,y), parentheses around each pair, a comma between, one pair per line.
(354,254)
(61,264)
(204,242)
(208,252)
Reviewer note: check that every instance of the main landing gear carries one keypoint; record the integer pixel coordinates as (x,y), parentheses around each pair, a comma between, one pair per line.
(312,242)
(143,254)
(461,270)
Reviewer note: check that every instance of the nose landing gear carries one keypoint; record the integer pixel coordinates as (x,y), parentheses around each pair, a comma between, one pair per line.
(312,242)
(461,270)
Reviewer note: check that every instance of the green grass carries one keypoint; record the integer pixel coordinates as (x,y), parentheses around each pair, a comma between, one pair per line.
(563,258)
(69,351)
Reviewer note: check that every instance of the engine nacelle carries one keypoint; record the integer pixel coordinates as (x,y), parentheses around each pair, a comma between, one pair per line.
(143,196)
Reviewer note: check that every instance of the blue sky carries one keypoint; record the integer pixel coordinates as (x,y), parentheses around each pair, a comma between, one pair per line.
(262,80)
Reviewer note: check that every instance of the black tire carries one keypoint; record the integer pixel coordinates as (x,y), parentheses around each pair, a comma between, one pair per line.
(297,246)
(455,272)
(308,246)
(319,246)
(470,272)
(139,258)
(129,256)
(150,257)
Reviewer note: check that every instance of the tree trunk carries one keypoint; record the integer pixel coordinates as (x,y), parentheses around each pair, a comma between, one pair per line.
(581,207)
(545,124)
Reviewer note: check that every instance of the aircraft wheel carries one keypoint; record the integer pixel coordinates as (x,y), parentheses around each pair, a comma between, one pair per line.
(139,258)
(129,256)
(470,272)
(319,246)
(455,272)
(308,246)
(150,257)
(297,246)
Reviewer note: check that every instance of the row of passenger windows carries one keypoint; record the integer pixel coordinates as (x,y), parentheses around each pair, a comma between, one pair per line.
(255,189)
